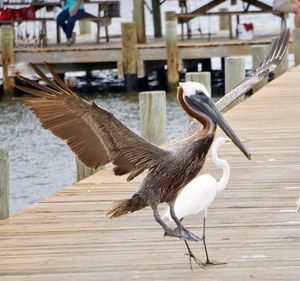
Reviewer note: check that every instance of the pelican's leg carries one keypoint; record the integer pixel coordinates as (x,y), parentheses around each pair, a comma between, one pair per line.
(168,230)
(208,262)
(192,256)
(183,232)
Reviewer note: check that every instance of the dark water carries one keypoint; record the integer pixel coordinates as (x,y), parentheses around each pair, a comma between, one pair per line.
(41,164)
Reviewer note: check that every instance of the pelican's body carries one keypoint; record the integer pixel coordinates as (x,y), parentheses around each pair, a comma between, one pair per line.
(98,138)
(200,193)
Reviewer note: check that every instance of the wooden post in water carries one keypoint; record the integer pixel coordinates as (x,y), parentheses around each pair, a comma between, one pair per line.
(172,50)
(201,77)
(234,74)
(156,18)
(129,51)
(259,53)
(4,189)
(283,65)
(153,116)
(83,171)
(139,18)
(84,27)
(7,52)
(224,20)
(296,45)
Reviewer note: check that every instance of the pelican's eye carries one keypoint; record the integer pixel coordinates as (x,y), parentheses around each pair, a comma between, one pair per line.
(201,96)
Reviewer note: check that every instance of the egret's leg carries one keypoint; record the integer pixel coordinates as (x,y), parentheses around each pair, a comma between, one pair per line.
(192,256)
(208,262)
(183,232)
(203,239)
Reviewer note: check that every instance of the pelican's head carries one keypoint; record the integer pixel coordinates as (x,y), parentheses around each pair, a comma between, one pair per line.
(196,99)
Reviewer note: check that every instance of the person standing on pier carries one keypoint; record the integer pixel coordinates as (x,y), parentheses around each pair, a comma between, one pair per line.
(73,10)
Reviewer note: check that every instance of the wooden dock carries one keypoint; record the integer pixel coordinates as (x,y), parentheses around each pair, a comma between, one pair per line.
(252,226)
(150,56)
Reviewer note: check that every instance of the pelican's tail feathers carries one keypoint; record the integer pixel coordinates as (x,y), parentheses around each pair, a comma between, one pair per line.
(123,207)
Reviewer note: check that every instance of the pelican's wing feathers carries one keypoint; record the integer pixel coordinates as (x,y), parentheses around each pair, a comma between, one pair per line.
(93,133)
(274,57)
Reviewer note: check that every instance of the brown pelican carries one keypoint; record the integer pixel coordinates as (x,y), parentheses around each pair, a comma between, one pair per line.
(98,138)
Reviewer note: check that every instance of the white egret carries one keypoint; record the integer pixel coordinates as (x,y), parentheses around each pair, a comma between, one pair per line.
(298,205)
(199,194)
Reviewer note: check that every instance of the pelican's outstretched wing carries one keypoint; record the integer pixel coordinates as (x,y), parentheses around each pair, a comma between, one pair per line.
(93,133)
(274,57)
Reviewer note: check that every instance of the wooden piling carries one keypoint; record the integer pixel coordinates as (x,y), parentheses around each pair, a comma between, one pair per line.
(172,50)
(129,52)
(259,53)
(4,187)
(83,171)
(234,72)
(139,18)
(224,19)
(153,116)
(7,52)
(283,65)
(201,77)
(156,18)
(296,45)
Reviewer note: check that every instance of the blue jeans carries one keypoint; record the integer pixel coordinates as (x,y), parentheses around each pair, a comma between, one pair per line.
(66,22)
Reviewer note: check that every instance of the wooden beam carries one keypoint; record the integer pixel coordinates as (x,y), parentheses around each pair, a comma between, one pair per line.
(139,18)
(204,9)
(156,18)
(7,52)
(4,189)
(296,45)
(261,5)
(259,53)
(129,51)
(153,116)
(172,50)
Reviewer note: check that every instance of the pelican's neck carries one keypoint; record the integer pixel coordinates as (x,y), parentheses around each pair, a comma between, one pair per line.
(209,126)
(221,185)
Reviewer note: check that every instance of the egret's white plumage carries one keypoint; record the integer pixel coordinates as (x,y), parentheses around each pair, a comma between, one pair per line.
(200,193)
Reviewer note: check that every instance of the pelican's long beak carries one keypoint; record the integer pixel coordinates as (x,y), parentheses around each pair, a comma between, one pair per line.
(206,106)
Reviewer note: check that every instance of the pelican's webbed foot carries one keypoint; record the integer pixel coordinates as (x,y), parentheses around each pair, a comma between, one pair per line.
(183,232)
(183,235)
(180,233)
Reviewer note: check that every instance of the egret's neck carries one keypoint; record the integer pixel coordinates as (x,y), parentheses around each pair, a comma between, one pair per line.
(221,185)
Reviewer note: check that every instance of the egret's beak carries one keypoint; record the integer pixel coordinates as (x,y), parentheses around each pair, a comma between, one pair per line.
(229,141)
(207,106)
